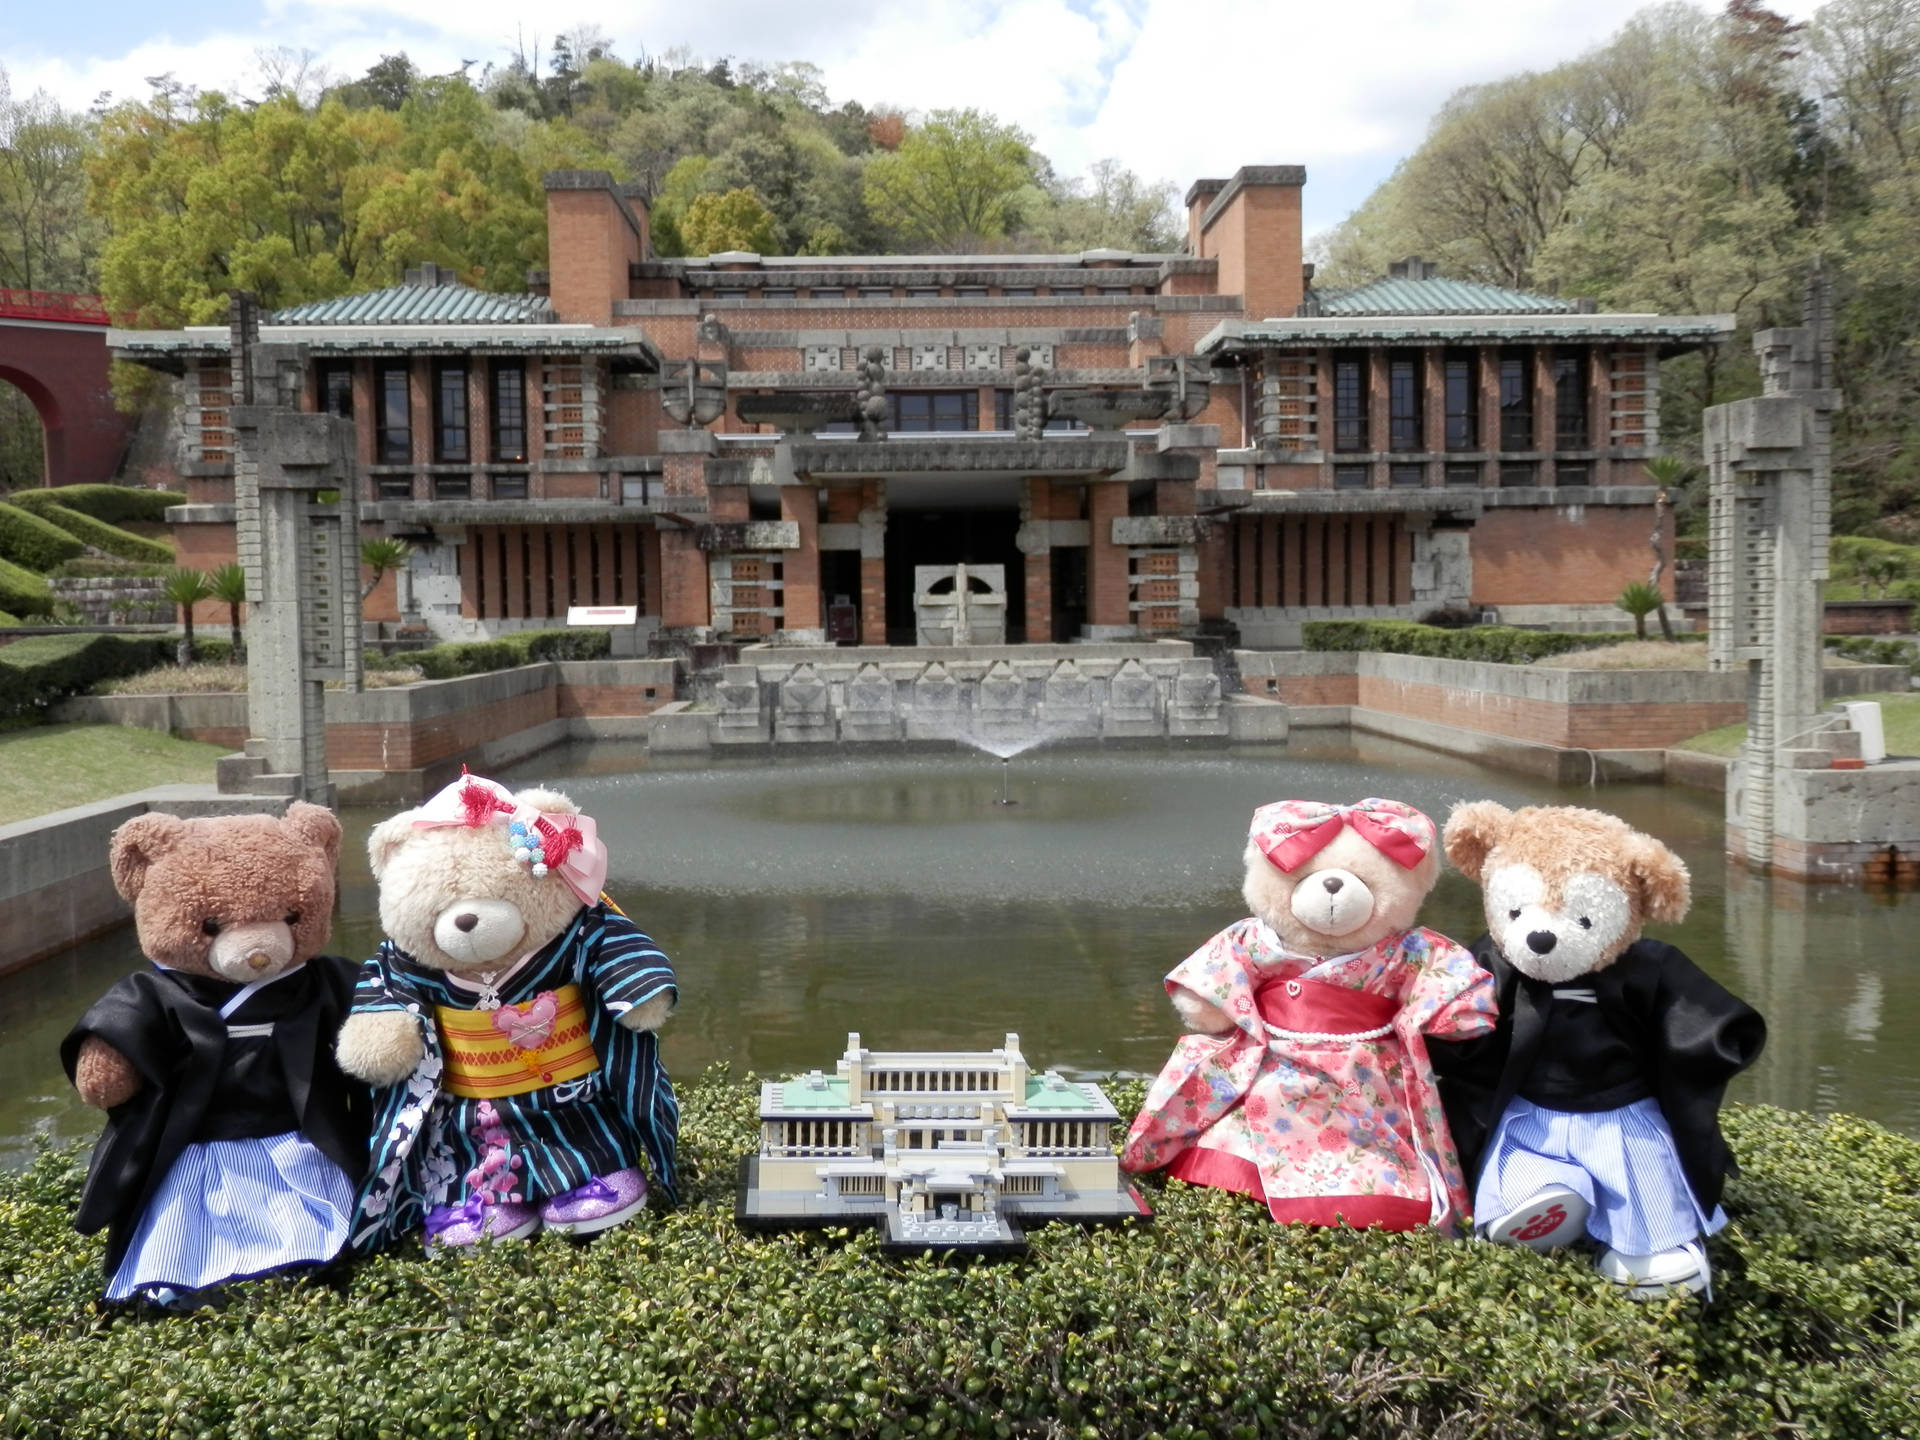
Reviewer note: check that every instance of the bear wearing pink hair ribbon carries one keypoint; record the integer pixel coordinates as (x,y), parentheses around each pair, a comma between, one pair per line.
(1307,1086)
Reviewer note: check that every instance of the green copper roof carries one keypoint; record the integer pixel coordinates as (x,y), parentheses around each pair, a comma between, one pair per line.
(800,1093)
(1398,296)
(421,305)
(1042,1096)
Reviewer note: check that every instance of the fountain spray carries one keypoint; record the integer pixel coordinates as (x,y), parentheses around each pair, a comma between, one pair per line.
(1006,763)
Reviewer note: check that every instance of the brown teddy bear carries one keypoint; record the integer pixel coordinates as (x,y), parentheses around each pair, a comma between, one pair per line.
(1308,1086)
(509,1020)
(1593,1109)
(233,1144)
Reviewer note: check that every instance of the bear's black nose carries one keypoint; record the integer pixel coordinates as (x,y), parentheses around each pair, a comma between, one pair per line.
(469,920)
(1333,884)
(1541,941)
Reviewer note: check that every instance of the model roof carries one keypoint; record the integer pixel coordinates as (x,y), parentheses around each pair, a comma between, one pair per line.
(430,296)
(1399,295)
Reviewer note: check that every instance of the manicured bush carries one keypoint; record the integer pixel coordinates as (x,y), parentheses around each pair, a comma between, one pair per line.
(33,543)
(1500,644)
(36,672)
(1210,1322)
(94,567)
(1871,651)
(115,504)
(22,592)
(524,647)
(110,538)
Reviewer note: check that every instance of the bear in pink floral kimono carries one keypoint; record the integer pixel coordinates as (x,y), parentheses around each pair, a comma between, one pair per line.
(1307,1085)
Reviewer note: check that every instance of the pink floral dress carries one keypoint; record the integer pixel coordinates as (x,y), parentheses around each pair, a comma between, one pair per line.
(1320,1102)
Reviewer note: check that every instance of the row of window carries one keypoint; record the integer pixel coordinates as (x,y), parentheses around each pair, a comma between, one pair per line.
(934,292)
(453,440)
(1460,395)
(1511,472)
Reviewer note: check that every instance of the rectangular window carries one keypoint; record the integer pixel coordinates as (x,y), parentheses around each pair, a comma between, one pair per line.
(393,487)
(1349,477)
(1349,402)
(509,410)
(924,293)
(1016,291)
(776,295)
(1516,403)
(453,487)
(1570,473)
(876,292)
(450,412)
(1463,402)
(919,410)
(1003,409)
(1570,400)
(395,420)
(1406,474)
(1519,472)
(336,388)
(1403,403)
(969,292)
(1463,474)
(1066,422)
(1116,289)
(509,487)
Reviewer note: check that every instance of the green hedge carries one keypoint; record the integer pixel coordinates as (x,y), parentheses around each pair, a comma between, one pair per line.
(22,592)
(33,543)
(110,538)
(115,504)
(1210,1322)
(94,567)
(1501,644)
(524,647)
(1871,651)
(38,671)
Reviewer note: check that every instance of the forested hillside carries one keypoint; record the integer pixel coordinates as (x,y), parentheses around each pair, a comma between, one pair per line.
(1699,163)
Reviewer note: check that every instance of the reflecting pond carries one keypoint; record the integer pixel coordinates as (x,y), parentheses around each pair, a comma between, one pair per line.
(801,898)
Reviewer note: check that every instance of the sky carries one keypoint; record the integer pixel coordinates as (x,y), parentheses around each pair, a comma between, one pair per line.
(1173,89)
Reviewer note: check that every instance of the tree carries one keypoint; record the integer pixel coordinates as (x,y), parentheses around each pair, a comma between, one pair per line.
(186,588)
(1110,209)
(1639,600)
(228,585)
(47,239)
(733,221)
(954,181)
(380,556)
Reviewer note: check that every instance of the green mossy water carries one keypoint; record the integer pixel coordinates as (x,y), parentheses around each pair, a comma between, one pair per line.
(1212,1321)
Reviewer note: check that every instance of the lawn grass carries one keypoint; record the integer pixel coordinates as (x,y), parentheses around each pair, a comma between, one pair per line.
(1899,716)
(50,767)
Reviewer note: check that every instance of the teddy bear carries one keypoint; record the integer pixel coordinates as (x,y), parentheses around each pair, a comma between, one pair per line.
(233,1144)
(508,1023)
(1306,1085)
(1592,1110)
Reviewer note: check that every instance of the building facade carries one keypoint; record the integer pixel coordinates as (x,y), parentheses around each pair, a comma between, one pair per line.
(1120,445)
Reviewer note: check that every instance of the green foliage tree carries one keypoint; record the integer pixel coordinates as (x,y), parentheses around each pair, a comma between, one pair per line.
(187,587)
(1639,600)
(955,182)
(733,221)
(380,556)
(47,239)
(228,585)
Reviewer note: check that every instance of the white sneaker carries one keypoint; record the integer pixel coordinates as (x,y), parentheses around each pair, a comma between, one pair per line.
(1556,1216)
(1682,1270)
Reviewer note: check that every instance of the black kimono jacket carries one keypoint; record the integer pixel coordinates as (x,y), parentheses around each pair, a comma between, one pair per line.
(167,1024)
(1689,1035)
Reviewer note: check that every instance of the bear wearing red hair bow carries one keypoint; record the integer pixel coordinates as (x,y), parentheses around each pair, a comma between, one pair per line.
(1307,1086)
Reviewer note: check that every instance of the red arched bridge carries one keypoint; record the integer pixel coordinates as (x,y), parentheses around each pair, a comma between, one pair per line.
(53,347)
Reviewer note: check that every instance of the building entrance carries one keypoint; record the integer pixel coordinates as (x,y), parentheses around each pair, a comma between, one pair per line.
(951,537)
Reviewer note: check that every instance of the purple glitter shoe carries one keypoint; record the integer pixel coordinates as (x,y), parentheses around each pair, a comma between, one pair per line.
(600,1204)
(475,1220)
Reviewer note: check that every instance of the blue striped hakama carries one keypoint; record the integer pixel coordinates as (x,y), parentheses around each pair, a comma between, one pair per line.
(1623,1162)
(233,1209)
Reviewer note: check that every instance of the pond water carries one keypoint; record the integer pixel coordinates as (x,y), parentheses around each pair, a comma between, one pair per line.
(801,898)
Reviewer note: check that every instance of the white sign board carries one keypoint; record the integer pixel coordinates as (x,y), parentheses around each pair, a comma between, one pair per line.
(603,615)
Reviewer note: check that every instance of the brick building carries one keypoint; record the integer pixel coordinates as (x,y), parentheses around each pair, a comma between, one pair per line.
(756,445)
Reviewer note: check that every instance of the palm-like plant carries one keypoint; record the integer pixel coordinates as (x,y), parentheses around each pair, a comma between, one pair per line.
(380,556)
(187,587)
(229,586)
(1639,600)
(1670,473)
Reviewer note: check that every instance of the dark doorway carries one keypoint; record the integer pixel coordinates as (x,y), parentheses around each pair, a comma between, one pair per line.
(840,586)
(1069,592)
(951,537)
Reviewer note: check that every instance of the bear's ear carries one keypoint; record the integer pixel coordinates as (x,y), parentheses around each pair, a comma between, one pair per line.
(387,838)
(136,845)
(1472,830)
(315,825)
(1666,890)
(547,802)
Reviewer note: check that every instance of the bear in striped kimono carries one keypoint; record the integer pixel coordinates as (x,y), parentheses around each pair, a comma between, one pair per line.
(507,1024)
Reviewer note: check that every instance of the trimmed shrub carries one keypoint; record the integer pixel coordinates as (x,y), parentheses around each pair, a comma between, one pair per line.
(110,538)
(115,504)
(1499,644)
(524,647)
(36,672)
(33,543)
(93,567)
(6,619)
(22,592)
(1211,1322)
(1870,651)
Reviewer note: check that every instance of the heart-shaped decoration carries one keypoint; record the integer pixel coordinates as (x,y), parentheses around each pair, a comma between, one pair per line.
(528,1026)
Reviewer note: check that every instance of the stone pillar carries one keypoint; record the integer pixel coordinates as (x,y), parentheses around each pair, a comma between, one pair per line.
(1035,542)
(1108,615)
(800,567)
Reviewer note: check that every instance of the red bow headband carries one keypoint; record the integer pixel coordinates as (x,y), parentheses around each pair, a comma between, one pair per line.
(479,804)
(1291,832)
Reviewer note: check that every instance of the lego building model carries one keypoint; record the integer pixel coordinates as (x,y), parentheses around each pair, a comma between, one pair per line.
(949,1150)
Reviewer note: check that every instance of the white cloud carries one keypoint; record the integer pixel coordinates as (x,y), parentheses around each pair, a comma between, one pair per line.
(1175,89)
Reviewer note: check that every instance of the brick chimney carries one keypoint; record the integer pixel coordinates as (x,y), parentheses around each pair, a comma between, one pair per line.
(1251,225)
(594,233)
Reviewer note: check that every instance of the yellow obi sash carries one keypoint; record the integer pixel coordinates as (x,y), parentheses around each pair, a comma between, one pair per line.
(517,1049)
